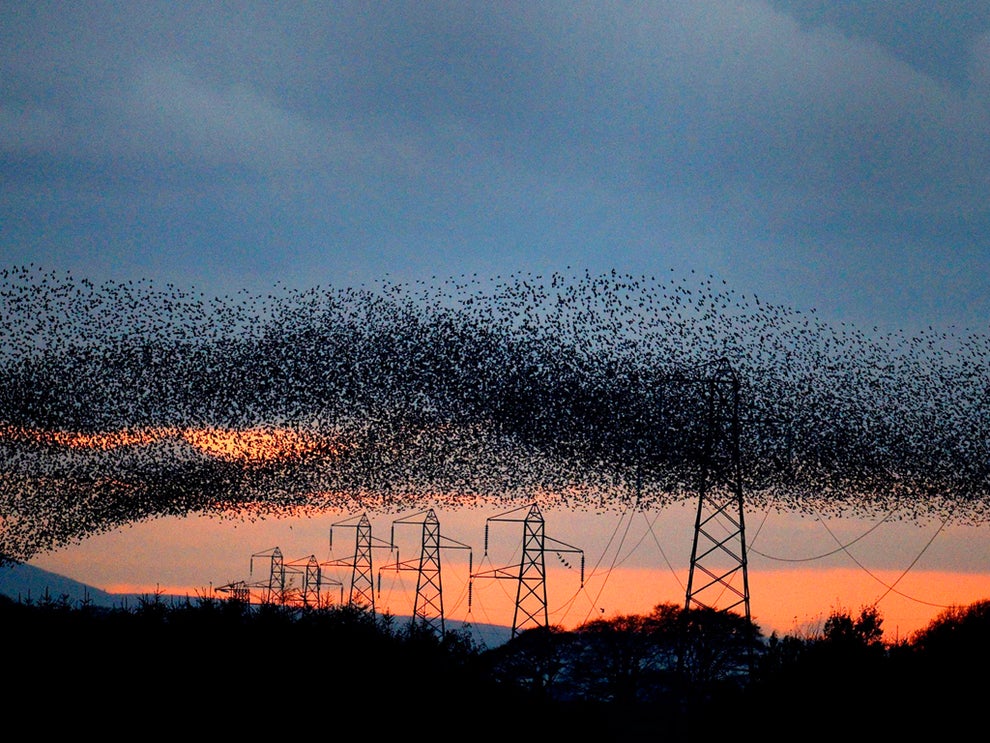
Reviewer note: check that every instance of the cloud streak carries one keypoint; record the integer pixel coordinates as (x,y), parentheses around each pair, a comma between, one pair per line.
(834,160)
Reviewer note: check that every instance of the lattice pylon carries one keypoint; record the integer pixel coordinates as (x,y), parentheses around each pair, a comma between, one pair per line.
(718,577)
(311,583)
(531,591)
(428,607)
(531,579)
(276,578)
(362,581)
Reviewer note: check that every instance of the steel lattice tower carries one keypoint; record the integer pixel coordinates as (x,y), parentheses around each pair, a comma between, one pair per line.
(362,584)
(276,577)
(309,593)
(428,606)
(531,590)
(718,553)
(274,589)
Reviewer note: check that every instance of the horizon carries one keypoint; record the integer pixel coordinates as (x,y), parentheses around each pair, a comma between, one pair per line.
(913,578)
(600,256)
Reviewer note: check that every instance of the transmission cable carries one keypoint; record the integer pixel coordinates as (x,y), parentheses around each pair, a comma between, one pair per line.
(891,588)
(841,548)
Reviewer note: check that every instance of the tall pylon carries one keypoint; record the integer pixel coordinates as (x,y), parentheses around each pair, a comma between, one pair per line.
(279,588)
(428,605)
(531,576)
(273,591)
(362,592)
(718,552)
(308,593)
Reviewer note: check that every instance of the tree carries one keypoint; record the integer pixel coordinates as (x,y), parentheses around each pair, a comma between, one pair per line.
(616,660)
(532,660)
(711,645)
(866,631)
(957,632)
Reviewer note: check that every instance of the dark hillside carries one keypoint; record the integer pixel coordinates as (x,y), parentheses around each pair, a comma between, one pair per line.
(675,675)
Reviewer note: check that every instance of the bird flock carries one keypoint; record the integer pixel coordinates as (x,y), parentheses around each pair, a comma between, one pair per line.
(125,401)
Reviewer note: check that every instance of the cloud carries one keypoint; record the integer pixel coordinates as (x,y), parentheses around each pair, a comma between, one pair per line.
(229,125)
(748,137)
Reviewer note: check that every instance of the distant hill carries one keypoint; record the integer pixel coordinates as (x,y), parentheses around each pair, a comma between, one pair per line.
(25,583)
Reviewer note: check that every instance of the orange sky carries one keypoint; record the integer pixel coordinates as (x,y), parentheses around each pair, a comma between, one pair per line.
(797,572)
(248,445)
(800,568)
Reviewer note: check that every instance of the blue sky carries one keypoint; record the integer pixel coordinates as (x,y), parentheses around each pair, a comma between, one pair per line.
(828,155)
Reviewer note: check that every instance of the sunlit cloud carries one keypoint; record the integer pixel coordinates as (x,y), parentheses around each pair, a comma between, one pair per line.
(76,440)
(253,445)
(256,445)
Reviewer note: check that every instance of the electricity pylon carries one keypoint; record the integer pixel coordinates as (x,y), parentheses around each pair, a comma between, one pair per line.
(273,591)
(428,606)
(314,579)
(239,591)
(362,584)
(278,587)
(719,527)
(531,574)
(309,569)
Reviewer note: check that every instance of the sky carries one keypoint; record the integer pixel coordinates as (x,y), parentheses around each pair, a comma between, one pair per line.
(827,156)
(800,569)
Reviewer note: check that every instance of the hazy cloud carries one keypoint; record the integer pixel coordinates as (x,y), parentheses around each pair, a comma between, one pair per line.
(762,140)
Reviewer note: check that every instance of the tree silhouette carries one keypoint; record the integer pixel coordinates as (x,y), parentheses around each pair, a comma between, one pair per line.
(676,674)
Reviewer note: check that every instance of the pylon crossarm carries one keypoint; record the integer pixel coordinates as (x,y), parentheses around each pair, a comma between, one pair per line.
(564,547)
(346,521)
(504,515)
(531,511)
(404,565)
(381,544)
(459,546)
(231,587)
(453,544)
(499,573)
(271,552)
(363,524)
(410,518)
(300,564)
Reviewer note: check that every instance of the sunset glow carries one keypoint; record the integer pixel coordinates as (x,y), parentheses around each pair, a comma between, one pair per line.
(103,440)
(253,445)
(792,602)
(193,555)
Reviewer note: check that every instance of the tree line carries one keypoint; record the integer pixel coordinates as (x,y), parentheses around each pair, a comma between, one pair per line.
(673,674)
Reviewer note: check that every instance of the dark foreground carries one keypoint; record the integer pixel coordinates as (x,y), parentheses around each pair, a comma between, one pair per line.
(209,667)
